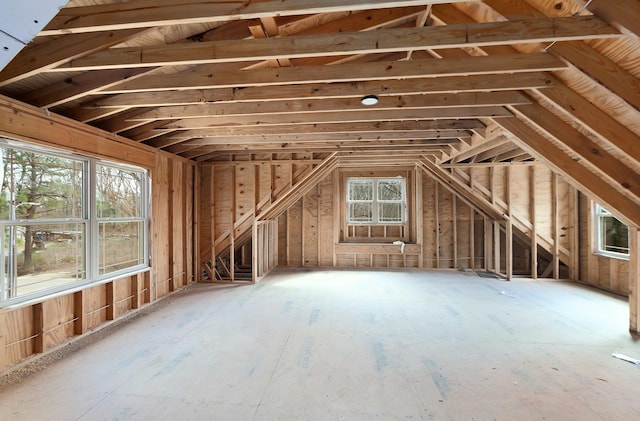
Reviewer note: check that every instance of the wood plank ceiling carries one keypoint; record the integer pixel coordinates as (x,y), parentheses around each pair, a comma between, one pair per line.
(459,83)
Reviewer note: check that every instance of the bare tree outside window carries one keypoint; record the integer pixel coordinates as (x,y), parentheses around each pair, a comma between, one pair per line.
(52,238)
(119,203)
(376,201)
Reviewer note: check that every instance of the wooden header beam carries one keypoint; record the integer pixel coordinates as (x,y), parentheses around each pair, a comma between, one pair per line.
(24,122)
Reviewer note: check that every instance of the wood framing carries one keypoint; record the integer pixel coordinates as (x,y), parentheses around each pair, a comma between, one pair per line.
(38,326)
(508,122)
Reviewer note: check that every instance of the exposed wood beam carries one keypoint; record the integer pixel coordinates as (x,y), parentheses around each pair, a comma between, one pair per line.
(356,147)
(166,141)
(122,121)
(334,117)
(87,115)
(38,57)
(24,122)
(367,42)
(625,178)
(342,105)
(460,189)
(388,156)
(499,150)
(259,30)
(415,86)
(78,86)
(148,13)
(379,127)
(359,162)
(296,191)
(489,164)
(479,148)
(251,159)
(513,156)
(445,137)
(407,158)
(420,22)
(579,175)
(144,132)
(597,66)
(365,20)
(594,119)
(601,69)
(350,72)
(369,19)
(622,14)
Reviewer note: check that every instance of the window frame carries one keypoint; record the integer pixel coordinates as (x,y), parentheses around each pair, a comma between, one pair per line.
(599,215)
(89,220)
(143,218)
(375,201)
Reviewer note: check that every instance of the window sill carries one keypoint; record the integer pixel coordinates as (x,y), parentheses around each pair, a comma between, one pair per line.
(32,299)
(377,248)
(615,256)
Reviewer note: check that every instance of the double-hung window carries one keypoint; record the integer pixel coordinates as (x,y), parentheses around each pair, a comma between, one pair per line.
(376,201)
(612,236)
(120,217)
(67,220)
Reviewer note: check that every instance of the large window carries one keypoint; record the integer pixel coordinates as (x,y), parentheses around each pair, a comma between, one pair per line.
(376,201)
(67,220)
(612,236)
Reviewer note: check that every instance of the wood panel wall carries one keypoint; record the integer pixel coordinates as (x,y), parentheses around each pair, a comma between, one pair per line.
(443,229)
(611,274)
(42,325)
(172,224)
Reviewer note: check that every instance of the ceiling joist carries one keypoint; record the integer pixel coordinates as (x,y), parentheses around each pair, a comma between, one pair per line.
(369,42)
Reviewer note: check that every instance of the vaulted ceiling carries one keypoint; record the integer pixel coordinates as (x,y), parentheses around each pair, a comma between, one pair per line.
(458,83)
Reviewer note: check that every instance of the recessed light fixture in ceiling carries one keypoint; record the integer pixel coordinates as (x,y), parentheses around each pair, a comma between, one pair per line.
(369,100)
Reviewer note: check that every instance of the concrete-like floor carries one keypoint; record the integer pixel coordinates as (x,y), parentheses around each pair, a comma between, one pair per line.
(330,345)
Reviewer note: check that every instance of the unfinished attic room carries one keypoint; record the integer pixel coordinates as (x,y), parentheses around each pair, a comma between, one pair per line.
(320,210)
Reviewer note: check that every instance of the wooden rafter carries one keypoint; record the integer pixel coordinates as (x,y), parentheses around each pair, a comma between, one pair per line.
(147,13)
(623,177)
(462,190)
(51,54)
(582,177)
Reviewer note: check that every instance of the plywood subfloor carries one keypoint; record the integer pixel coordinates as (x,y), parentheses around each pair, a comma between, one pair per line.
(356,346)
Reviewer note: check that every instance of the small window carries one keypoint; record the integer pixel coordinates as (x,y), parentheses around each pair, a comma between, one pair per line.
(612,236)
(121,220)
(376,201)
